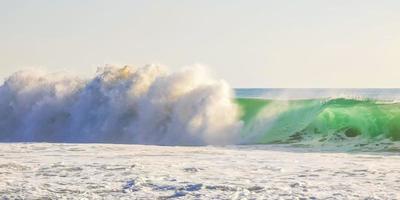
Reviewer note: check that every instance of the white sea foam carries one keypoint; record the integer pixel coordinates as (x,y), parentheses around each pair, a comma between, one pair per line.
(114,171)
(146,105)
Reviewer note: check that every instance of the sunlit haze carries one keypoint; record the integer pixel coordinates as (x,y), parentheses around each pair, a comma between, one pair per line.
(314,43)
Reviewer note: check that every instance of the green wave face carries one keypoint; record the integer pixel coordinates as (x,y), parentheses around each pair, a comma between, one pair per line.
(319,121)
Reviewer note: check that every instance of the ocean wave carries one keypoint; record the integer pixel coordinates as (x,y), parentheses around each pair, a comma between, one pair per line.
(321,122)
(149,105)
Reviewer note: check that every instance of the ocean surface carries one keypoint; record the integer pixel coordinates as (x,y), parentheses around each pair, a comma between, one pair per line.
(392,94)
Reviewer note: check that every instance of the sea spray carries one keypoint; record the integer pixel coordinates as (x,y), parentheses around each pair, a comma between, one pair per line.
(146,105)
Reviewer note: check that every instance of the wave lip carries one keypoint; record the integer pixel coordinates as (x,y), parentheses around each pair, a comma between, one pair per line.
(146,105)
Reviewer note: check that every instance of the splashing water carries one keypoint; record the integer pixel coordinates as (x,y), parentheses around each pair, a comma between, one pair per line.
(144,105)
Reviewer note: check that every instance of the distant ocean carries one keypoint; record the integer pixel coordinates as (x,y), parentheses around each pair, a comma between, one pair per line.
(317,93)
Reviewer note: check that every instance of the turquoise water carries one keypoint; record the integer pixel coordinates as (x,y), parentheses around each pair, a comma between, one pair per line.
(317,117)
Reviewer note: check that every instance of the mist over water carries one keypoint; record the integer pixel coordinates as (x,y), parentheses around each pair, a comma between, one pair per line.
(145,105)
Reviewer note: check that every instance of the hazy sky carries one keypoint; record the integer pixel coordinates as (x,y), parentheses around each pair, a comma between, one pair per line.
(281,43)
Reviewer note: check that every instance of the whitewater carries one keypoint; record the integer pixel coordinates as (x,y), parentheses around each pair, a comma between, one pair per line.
(148,133)
(146,105)
(115,171)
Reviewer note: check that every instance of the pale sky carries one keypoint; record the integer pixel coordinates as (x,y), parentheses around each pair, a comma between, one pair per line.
(281,43)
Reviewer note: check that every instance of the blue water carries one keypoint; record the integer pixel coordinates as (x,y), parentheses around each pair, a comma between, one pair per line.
(317,93)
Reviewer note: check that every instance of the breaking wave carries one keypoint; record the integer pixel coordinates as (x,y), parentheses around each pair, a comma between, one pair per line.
(150,105)
(145,105)
(352,123)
